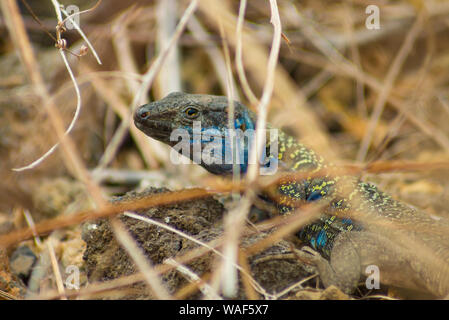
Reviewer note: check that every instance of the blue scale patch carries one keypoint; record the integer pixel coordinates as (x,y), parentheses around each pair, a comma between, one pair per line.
(317,242)
(226,148)
(315,195)
(321,239)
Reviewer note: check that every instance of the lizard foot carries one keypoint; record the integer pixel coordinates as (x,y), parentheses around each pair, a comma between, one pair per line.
(308,255)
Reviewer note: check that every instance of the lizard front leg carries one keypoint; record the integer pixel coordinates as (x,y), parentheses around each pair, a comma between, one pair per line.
(353,251)
(344,268)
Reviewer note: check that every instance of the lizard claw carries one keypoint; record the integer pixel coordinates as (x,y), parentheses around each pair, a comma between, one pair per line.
(310,251)
(308,255)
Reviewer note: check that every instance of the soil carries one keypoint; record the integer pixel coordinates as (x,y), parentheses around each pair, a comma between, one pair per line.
(105,259)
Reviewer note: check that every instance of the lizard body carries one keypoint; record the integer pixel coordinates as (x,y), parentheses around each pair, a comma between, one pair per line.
(344,243)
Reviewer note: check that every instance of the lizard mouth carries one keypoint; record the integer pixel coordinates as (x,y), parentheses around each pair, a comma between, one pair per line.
(153,128)
(156,129)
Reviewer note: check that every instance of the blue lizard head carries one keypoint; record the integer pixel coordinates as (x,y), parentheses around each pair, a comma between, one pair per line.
(180,110)
(200,123)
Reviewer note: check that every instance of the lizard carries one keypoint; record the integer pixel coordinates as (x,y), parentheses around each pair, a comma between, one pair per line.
(342,242)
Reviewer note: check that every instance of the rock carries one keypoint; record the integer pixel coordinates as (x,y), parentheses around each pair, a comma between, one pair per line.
(56,196)
(9,283)
(106,259)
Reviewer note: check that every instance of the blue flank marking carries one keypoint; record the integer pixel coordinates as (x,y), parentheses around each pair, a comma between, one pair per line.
(315,195)
(313,243)
(321,239)
(318,242)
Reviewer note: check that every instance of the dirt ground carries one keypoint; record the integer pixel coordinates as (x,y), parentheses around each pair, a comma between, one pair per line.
(334,79)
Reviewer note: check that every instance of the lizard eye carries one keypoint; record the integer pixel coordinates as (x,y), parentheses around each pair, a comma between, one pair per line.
(191,112)
(144,114)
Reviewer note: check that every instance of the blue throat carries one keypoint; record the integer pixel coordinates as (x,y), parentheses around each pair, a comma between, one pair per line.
(213,133)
